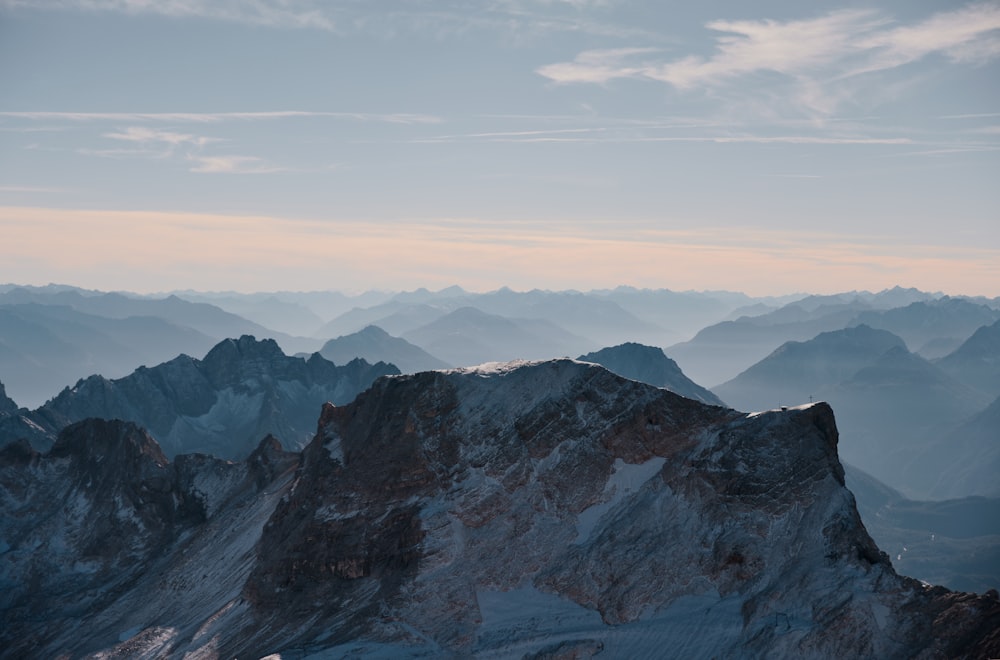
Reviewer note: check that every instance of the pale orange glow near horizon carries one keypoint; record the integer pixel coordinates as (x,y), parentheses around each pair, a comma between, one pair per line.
(147,252)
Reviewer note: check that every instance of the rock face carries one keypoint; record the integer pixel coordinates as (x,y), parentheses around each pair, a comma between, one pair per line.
(542,510)
(241,391)
(648,364)
(7,405)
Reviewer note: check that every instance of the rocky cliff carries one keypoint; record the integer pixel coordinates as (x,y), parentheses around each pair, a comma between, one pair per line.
(520,510)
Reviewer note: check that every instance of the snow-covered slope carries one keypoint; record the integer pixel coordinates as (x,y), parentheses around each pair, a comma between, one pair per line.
(524,509)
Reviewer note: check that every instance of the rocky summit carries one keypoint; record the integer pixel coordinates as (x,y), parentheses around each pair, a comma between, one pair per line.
(537,510)
(224,404)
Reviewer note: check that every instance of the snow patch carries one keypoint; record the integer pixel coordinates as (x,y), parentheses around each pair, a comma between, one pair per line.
(625,480)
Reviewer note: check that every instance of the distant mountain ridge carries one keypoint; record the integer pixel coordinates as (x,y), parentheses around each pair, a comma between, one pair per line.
(376,345)
(977,361)
(891,404)
(469,336)
(243,390)
(648,364)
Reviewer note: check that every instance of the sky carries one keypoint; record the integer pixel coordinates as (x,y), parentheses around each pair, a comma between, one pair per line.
(766,147)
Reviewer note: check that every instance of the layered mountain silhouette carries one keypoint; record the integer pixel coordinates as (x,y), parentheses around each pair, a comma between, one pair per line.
(550,510)
(51,336)
(719,352)
(223,405)
(964,461)
(891,403)
(977,361)
(469,336)
(924,324)
(796,370)
(376,345)
(648,364)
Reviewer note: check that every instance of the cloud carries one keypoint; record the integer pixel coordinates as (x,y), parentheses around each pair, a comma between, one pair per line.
(232,165)
(144,135)
(816,56)
(270,13)
(212,117)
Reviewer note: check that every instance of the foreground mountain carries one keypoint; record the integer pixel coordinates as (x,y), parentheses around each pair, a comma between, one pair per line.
(954,542)
(224,404)
(540,510)
(648,364)
(376,345)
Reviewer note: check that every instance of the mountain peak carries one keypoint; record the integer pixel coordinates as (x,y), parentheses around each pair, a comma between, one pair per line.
(649,364)
(7,404)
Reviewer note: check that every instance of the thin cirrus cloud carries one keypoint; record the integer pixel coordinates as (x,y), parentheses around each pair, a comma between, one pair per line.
(270,13)
(212,117)
(232,165)
(144,135)
(816,55)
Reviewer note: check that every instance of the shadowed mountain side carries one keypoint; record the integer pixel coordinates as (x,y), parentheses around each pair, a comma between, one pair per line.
(721,351)
(376,345)
(469,336)
(241,391)
(549,509)
(895,408)
(977,361)
(965,461)
(796,370)
(954,542)
(648,364)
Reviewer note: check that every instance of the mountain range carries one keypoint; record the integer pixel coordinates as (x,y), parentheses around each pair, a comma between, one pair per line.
(374,344)
(546,509)
(223,405)
(891,403)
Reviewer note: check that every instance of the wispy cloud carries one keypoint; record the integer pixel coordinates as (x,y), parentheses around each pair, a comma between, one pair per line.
(595,135)
(212,117)
(144,135)
(232,165)
(271,13)
(817,56)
